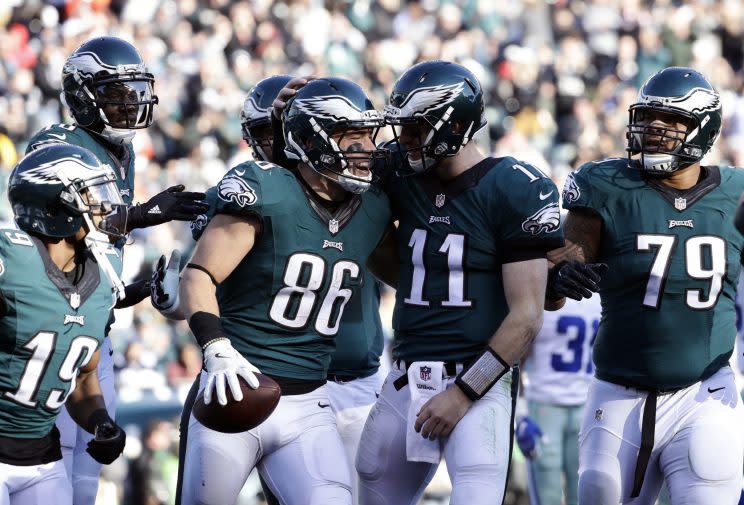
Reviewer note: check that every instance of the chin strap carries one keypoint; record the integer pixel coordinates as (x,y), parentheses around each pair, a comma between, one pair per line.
(97,242)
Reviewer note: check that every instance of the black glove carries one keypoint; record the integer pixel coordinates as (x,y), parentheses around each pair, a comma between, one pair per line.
(173,204)
(110,438)
(134,293)
(574,279)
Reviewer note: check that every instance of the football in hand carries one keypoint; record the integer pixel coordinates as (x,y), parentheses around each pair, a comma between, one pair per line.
(236,417)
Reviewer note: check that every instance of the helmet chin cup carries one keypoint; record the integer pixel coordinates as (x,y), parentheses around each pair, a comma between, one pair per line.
(353,184)
(660,163)
(118,136)
(422,164)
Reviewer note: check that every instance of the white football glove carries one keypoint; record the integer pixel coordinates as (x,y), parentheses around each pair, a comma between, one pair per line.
(223,364)
(164,284)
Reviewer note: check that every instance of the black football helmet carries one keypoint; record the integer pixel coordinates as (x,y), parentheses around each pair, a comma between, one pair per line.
(108,88)
(321,109)
(440,99)
(57,189)
(255,118)
(684,96)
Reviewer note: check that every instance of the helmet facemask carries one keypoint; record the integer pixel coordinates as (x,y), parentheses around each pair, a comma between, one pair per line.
(260,137)
(426,140)
(93,198)
(339,153)
(660,148)
(118,104)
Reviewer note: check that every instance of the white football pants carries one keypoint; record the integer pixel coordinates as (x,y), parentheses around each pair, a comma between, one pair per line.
(698,444)
(82,469)
(298,452)
(477,452)
(35,485)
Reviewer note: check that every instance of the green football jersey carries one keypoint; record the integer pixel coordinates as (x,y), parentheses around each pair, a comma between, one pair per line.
(453,239)
(360,340)
(300,288)
(50,329)
(668,317)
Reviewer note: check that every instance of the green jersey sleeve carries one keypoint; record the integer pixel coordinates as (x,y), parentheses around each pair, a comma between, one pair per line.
(526,202)
(239,192)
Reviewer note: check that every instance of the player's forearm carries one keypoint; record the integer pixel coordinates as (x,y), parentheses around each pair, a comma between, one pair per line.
(197,293)
(86,399)
(514,337)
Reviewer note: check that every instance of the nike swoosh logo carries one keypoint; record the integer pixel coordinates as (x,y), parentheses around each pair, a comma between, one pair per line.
(218,355)
(543,197)
(240,172)
(60,136)
(322,406)
(717,389)
(111,351)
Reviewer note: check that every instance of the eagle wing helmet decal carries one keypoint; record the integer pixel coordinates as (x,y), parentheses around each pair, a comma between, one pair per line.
(423,100)
(251,110)
(334,107)
(696,100)
(58,170)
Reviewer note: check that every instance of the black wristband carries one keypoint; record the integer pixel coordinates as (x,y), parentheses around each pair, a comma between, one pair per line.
(134,293)
(476,380)
(206,327)
(99,416)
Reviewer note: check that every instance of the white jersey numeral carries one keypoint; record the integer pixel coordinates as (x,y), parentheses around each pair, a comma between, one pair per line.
(529,172)
(454,247)
(42,347)
(303,277)
(696,264)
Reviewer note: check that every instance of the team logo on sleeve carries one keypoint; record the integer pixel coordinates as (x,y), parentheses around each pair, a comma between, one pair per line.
(571,191)
(234,189)
(545,220)
(199,223)
(2,266)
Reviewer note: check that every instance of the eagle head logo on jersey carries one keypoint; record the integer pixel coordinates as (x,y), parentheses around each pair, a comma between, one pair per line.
(199,223)
(545,220)
(234,189)
(571,191)
(421,101)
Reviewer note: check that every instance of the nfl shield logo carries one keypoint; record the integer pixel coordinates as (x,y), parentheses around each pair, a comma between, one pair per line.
(439,201)
(74,300)
(425,372)
(680,203)
(333,226)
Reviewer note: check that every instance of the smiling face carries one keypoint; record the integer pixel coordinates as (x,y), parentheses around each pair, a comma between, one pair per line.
(357,145)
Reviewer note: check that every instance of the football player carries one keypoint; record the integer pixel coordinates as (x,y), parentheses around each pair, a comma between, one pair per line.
(55,297)
(558,368)
(663,404)
(310,233)
(472,241)
(109,93)
(256,128)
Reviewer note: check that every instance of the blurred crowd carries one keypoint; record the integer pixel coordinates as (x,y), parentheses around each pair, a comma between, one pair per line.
(559,76)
